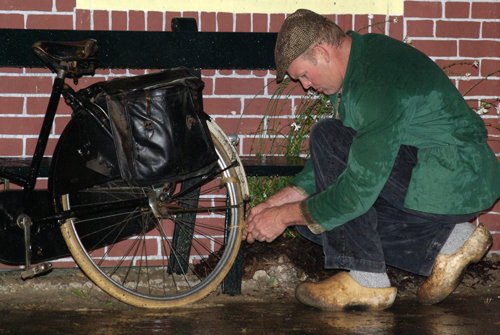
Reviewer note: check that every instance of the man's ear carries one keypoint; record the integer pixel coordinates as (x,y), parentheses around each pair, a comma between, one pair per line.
(321,52)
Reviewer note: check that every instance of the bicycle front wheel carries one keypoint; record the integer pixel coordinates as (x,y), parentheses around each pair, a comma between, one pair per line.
(173,246)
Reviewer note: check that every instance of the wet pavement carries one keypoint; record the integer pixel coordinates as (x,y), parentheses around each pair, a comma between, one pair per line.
(457,316)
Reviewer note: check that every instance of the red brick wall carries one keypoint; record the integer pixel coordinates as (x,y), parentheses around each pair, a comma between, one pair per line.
(463,37)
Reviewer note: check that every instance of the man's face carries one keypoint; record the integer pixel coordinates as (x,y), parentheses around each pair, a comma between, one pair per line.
(317,72)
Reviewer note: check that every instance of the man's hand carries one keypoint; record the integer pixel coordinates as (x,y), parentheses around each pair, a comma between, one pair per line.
(269,219)
(267,223)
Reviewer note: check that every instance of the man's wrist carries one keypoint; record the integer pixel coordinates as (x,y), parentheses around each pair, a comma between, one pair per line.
(313,226)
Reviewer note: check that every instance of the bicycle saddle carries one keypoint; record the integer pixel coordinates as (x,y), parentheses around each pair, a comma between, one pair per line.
(76,59)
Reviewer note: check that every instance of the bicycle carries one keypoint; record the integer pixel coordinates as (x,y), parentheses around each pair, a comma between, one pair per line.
(152,244)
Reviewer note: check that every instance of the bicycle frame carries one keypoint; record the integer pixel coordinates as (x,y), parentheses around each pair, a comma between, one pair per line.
(28,181)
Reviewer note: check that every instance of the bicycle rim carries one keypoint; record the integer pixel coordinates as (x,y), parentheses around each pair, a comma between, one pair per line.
(176,251)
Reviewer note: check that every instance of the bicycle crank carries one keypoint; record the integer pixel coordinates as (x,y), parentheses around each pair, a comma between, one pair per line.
(30,271)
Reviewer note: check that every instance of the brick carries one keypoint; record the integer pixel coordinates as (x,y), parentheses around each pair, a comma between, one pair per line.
(12,21)
(11,105)
(38,71)
(344,21)
(207,73)
(65,5)
(458,29)
(420,28)
(44,21)
(218,106)
(361,23)
(436,48)
(66,263)
(10,70)
(208,22)
(243,23)
(396,28)
(25,84)
(379,23)
(276,22)
(454,68)
(429,9)
(496,243)
(38,105)
(479,48)
(20,125)
(31,145)
(238,86)
(485,10)
(136,20)
(225,22)
(491,29)
(243,72)
(243,125)
(82,19)
(260,73)
(225,72)
(101,20)
(278,126)
(11,146)
(119,20)
(26,5)
(266,106)
(456,10)
(260,23)
(124,247)
(155,21)
(84,82)
(206,226)
(489,67)
(293,88)
(118,72)
(257,145)
(479,87)
(494,143)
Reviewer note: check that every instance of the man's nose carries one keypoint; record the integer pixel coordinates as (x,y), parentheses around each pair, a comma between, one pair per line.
(305,83)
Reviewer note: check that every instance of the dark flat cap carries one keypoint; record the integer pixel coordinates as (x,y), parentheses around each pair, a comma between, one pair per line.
(299,31)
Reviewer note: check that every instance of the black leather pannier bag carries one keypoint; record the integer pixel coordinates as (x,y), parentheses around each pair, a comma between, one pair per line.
(158,126)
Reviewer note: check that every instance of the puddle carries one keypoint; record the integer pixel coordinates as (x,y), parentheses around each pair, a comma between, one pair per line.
(475,316)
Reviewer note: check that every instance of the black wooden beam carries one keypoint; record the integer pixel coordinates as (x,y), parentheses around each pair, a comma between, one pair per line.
(150,50)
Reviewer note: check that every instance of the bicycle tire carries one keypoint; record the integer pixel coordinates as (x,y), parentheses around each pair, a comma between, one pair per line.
(168,279)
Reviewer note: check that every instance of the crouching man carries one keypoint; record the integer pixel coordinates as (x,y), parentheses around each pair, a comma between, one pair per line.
(393,180)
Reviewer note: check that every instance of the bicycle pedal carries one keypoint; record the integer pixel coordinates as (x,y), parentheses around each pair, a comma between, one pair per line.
(36,270)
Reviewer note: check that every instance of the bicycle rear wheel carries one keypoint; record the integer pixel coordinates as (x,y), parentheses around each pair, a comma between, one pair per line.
(174,247)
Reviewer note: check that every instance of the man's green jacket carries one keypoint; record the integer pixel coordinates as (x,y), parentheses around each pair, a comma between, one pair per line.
(394,95)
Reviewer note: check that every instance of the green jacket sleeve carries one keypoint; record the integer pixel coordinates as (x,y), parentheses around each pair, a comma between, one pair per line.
(305,179)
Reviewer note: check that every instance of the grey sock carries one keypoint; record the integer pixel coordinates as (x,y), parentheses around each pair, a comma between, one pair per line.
(371,279)
(457,238)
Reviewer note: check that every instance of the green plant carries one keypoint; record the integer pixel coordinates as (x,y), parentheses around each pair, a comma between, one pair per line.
(283,135)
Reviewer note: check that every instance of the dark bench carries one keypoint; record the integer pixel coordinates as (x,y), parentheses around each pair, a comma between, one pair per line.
(186,47)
